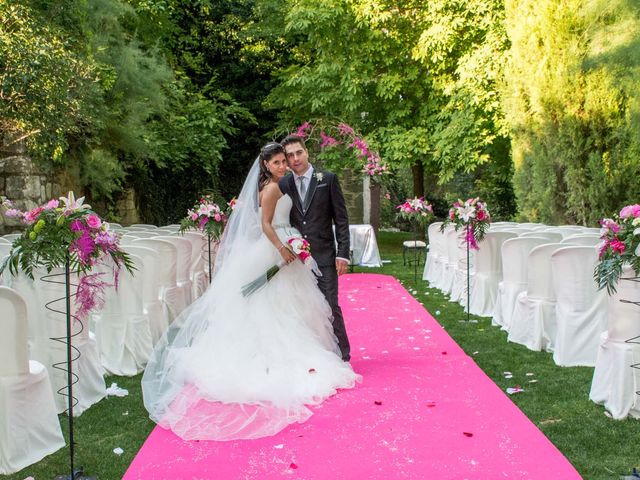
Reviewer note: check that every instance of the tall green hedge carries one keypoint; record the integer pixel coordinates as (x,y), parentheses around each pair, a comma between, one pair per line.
(571,96)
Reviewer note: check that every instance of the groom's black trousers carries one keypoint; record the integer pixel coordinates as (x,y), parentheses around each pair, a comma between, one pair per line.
(328,284)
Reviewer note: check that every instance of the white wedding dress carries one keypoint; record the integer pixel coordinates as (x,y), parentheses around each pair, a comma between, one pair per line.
(233,367)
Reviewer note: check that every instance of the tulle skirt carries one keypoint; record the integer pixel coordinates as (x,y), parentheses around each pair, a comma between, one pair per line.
(233,367)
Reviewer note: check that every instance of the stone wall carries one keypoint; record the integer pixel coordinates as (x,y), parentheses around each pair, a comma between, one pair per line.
(22,182)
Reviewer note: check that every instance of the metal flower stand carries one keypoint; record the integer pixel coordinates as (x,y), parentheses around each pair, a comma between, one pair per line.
(72,355)
(634,340)
(209,240)
(468,232)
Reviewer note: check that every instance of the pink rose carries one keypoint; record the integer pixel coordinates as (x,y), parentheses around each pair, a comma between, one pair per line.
(32,215)
(217,217)
(93,221)
(481,215)
(617,246)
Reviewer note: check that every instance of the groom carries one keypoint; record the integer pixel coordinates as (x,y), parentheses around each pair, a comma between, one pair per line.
(318,205)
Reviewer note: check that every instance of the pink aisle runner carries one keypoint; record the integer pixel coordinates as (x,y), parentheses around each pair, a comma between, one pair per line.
(425,410)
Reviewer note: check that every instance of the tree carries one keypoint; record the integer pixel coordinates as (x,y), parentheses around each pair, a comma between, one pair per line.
(572,104)
(426,100)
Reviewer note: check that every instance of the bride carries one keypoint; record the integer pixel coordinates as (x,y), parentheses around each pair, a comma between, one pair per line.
(234,367)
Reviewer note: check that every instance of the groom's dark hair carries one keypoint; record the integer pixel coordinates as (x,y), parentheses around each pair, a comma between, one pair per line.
(289,139)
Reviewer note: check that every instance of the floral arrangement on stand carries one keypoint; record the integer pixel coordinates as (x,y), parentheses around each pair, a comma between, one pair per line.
(620,246)
(334,139)
(61,231)
(207,217)
(473,216)
(416,210)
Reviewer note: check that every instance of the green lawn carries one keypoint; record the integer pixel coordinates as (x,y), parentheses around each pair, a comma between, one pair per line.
(599,447)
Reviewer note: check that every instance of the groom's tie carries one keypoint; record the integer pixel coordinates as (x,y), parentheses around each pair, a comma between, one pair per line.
(303,188)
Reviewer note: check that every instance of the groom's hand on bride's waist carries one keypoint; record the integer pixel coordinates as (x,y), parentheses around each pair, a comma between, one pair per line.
(341,265)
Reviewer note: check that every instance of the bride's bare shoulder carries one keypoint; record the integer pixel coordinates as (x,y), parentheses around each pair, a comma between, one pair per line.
(270,191)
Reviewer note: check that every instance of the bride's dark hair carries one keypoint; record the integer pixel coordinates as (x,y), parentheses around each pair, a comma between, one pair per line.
(266,153)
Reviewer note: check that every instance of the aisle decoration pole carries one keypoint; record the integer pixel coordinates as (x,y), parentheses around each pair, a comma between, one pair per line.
(418,212)
(208,218)
(472,216)
(67,234)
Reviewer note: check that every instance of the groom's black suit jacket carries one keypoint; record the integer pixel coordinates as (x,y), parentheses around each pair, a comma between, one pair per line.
(323,207)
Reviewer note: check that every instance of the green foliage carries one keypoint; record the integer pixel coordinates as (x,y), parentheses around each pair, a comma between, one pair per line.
(418,79)
(43,83)
(570,95)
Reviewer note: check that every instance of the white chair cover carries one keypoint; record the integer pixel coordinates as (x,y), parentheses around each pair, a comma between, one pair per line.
(448,273)
(142,226)
(487,273)
(199,262)
(141,234)
(5,277)
(183,267)
(122,327)
(171,296)
(550,236)
(586,239)
(442,257)
(5,248)
(11,236)
(581,309)
(45,325)
(615,382)
(566,230)
(515,253)
(433,230)
(149,278)
(5,241)
(29,426)
(533,323)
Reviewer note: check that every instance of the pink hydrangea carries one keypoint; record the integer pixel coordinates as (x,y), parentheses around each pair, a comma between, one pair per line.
(13,213)
(107,241)
(52,204)
(630,211)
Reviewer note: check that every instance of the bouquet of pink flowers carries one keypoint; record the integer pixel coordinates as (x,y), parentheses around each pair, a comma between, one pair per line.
(620,245)
(416,210)
(471,214)
(297,245)
(61,230)
(206,216)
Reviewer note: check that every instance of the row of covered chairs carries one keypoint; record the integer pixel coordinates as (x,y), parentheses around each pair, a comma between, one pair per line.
(170,272)
(536,282)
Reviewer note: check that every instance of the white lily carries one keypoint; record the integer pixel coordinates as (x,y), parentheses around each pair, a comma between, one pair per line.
(467,212)
(73,205)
